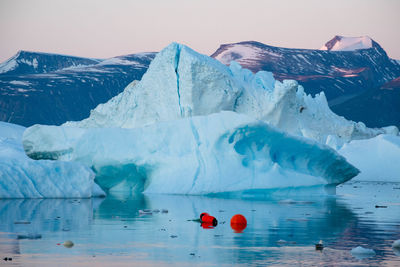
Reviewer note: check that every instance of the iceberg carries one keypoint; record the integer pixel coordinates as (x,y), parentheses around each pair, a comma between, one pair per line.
(223,152)
(183,83)
(22,177)
(361,252)
(375,158)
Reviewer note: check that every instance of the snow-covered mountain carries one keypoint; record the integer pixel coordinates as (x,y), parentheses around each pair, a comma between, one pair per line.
(51,89)
(346,68)
(26,62)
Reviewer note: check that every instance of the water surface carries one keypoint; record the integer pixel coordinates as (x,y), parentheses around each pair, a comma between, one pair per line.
(280,231)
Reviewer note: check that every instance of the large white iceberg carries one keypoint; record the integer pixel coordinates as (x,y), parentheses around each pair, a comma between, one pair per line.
(182,83)
(218,153)
(22,177)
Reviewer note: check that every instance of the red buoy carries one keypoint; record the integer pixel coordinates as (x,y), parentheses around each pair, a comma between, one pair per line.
(204,213)
(238,223)
(207,225)
(207,219)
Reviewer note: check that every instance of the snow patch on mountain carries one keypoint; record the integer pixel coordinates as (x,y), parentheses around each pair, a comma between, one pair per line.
(23,83)
(9,65)
(33,62)
(239,52)
(119,61)
(341,43)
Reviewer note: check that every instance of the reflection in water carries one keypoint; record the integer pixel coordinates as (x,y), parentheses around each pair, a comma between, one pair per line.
(277,232)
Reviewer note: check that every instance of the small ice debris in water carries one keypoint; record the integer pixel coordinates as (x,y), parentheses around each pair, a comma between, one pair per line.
(173,236)
(281,242)
(380,206)
(319,246)
(195,220)
(164,211)
(396,251)
(396,244)
(68,244)
(192,254)
(29,236)
(145,212)
(361,253)
(156,211)
(22,222)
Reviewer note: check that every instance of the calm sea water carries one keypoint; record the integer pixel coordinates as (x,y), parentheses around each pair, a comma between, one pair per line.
(280,232)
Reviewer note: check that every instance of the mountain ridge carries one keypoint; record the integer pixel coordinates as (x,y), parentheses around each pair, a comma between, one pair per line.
(51,89)
(341,75)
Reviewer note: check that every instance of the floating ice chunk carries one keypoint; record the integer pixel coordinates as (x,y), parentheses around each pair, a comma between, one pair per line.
(145,212)
(221,152)
(29,236)
(396,244)
(22,177)
(361,253)
(375,158)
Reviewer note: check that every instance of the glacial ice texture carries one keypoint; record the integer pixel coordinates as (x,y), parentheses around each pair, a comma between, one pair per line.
(22,177)
(218,153)
(377,158)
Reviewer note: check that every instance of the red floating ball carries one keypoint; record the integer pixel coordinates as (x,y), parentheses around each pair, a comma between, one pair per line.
(207,225)
(203,214)
(238,223)
(209,219)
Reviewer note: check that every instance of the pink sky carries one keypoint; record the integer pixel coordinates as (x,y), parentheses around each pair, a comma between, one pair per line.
(101,29)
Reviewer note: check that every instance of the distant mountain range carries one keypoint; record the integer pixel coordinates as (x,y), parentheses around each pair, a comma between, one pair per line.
(349,70)
(378,107)
(360,81)
(51,89)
